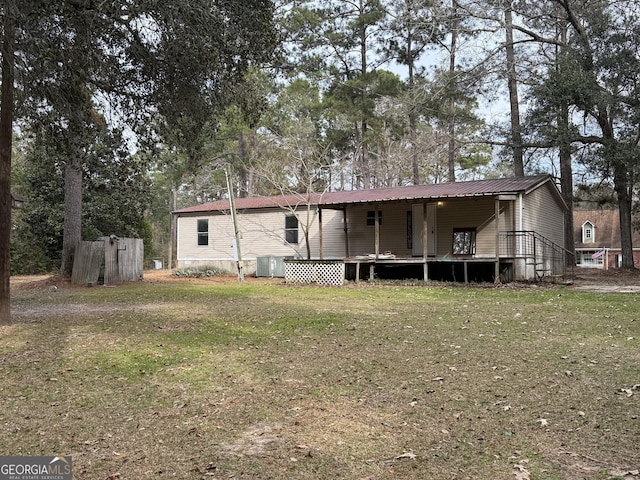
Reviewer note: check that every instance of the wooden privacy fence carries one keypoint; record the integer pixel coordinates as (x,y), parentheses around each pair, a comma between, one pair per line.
(109,260)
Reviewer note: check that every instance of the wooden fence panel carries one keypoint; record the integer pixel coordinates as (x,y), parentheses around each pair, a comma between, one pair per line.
(123,260)
(111,275)
(87,263)
(130,260)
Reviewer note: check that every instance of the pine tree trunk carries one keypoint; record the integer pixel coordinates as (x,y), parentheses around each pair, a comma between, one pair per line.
(72,208)
(413,134)
(6,133)
(452,95)
(516,129)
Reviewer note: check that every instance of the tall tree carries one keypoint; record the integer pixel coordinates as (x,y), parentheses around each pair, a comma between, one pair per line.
(131,59)
(596,77)
(6,134)
(337,47)
(514,101)
(413,27)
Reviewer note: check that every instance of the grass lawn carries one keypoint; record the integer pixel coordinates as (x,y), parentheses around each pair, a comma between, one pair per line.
(196,379)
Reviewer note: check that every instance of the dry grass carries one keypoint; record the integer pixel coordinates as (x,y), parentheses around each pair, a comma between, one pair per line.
(211,379)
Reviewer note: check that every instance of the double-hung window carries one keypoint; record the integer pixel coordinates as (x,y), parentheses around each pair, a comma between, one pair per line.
(291,229)
(203,232)
(588,233)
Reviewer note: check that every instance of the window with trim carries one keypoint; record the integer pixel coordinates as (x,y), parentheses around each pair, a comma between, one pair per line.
(588,233)
(291,229)
(371,218)
(464,241)
(203,232)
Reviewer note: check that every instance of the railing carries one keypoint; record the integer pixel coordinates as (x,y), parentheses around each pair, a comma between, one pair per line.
(543,259)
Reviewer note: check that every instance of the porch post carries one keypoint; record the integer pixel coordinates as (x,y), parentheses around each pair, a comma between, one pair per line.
(425,238)
(377,231)
(496,277)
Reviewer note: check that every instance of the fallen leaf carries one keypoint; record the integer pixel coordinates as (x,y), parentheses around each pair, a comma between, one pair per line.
(409,455)
(625,473)
(627,391)
(521,472)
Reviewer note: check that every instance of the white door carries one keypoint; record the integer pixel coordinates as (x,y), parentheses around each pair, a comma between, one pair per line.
(431,230)
(416,221)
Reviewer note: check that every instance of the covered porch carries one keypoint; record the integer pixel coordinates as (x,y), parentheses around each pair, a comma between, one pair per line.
(450,239)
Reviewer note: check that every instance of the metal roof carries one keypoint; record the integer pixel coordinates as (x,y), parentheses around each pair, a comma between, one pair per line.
(476,188)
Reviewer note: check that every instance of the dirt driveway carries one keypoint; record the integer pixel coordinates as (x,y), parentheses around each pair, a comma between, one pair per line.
(593,279)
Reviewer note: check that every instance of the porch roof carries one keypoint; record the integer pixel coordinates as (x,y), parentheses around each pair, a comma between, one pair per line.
(476,188)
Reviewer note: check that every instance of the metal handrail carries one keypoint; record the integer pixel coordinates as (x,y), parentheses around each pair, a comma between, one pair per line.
(547,258)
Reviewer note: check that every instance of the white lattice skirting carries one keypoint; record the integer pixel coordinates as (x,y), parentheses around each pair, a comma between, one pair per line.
(320,272)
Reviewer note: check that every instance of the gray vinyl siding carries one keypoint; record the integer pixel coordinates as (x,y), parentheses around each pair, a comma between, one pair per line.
(544,214)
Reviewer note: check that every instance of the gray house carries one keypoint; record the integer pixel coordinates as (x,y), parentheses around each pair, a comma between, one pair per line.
(486,230)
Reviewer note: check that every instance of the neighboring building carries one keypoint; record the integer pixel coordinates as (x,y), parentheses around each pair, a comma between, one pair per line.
(17,201)
(509,228)
(597,239)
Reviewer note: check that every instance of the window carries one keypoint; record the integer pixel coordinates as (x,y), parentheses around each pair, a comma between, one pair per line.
(464,241)
(588,233)
(291,229)
(371,218)
(203,232)
(590,259)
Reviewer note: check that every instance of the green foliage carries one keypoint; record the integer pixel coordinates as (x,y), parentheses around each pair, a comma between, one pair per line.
(200,271)
(115,198)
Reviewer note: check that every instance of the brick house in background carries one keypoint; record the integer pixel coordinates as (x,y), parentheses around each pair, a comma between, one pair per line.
(597,239)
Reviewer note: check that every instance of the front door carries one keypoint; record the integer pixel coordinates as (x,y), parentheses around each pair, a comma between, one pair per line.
(417,217)
(431,229)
